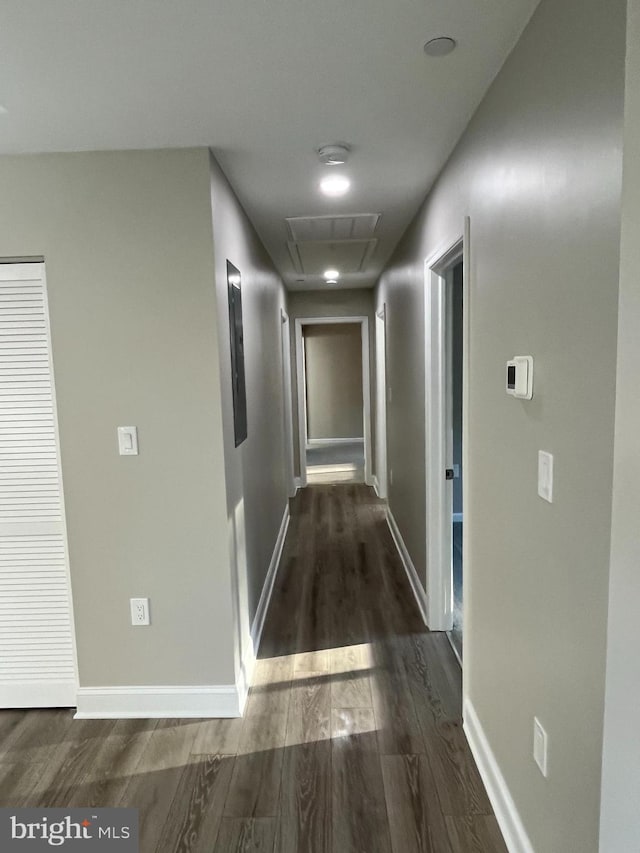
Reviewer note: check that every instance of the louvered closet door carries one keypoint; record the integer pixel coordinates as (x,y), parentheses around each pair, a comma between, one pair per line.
(37,654)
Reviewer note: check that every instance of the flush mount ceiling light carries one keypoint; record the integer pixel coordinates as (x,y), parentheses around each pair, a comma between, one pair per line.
(335,185)
(332,281)
(440,46)
(331,275)
(334,155)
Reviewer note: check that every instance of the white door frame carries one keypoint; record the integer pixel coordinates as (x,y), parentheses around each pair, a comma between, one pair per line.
(380,479)
(285,340)
(302,389)
(439,492)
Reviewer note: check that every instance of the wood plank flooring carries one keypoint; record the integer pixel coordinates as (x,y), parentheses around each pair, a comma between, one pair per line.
(351,742)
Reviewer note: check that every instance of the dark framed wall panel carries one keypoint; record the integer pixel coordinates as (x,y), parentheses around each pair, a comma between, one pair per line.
(237,354)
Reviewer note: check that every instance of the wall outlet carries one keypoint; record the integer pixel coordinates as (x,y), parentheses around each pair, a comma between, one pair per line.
(139,611)
(540,746)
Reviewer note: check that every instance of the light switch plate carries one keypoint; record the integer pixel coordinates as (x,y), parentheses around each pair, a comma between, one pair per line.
(545,475)
(128,441)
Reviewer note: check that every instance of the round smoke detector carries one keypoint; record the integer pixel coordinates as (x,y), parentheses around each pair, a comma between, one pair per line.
(440,46)
(334,155)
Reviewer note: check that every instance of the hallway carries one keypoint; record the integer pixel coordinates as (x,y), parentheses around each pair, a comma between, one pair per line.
(374,754)
(194,194)
(351,740)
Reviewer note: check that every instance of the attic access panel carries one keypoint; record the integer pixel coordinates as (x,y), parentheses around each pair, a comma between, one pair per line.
(357,226)
(312,257)
(236,336)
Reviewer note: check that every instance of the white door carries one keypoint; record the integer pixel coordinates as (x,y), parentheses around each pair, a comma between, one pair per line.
(37,651)
(381,404)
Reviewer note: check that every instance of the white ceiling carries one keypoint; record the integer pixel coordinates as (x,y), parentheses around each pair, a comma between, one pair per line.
(263,83)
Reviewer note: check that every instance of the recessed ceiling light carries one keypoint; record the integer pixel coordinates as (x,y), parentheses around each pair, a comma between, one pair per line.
(331,274)
(334,155)
(335,185)
(332,281)
(440,46)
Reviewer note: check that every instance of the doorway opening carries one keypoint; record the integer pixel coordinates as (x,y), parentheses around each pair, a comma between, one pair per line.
(380,480)
(446,414)
(455,369)
(287,413)
(332,355)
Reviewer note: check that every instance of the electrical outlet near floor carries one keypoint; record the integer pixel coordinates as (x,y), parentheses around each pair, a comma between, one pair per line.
(139,611)
(540,746)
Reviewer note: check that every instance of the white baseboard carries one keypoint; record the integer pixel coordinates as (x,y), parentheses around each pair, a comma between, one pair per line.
(252,642)
(314,442)
(457,516)
(515,835)
(410,569)
(228,700)
(269,581)
(108,703)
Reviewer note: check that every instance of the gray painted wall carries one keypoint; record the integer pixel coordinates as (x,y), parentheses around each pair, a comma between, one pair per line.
(330,303)
(254,471)
(333,373)
(620,823)
(539,173)
(127,244)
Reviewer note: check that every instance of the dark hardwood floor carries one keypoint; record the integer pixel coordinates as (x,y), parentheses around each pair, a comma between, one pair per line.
(351,742)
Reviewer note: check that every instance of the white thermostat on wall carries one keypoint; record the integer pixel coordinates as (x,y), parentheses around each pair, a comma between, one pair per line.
(520,377)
